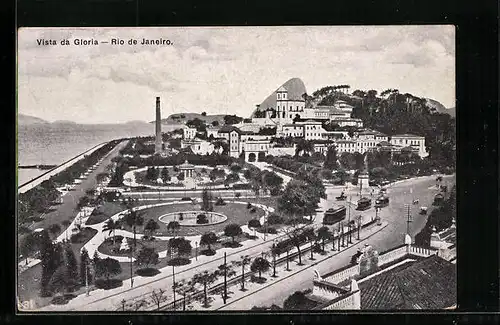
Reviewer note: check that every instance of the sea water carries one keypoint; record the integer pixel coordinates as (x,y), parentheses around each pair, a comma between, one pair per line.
(53,144)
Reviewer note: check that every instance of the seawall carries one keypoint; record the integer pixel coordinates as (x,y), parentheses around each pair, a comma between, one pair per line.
(45,176)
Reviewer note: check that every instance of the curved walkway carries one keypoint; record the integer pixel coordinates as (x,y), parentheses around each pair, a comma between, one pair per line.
(93,244)
(130,181)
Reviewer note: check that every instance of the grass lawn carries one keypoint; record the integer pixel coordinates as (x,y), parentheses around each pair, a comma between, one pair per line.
(108,248)
(235,212)
(104,212)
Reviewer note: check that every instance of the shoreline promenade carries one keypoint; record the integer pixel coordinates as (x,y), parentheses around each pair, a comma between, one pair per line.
(45,176)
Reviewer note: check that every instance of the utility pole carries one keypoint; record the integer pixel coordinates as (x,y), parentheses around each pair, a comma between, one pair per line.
(287,259)
(312,257)
(173,280)
(338,238)
(343,237)
(274,264)
(131,270)
(349,221)
(86,278)
(408,220)
(333,240)
(225,279)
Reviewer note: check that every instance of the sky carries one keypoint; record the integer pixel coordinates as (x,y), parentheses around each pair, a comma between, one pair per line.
(223,70)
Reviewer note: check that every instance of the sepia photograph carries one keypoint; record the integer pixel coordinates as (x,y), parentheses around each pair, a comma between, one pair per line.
(256,168)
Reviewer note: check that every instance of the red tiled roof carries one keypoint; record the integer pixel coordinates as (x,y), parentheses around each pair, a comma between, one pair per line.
(426,284)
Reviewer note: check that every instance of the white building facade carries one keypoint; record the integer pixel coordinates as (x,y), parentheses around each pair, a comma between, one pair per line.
(287,108)
(189,133)
(409,140)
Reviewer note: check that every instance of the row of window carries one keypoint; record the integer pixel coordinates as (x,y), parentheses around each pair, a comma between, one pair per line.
(291,108)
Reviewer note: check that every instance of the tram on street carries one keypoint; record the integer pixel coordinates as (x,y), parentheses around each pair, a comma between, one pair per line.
(334,215)
(382,201)
(364,204)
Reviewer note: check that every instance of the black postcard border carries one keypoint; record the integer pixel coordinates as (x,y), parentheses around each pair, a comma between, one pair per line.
(477,121)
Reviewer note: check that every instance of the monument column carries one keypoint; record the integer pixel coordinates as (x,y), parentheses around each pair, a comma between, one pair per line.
(158,142)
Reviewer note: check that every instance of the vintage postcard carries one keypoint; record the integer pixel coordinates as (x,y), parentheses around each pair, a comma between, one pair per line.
(236,169)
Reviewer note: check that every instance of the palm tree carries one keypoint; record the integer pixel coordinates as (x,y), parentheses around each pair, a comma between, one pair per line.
(111,226)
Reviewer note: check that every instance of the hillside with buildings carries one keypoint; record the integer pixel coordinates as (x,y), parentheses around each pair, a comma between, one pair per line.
(182,118)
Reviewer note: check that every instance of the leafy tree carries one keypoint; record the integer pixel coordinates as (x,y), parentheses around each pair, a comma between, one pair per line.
(180,177)
(60,281)
(235,168)
(233,177)
(324,234)
(173,226)
(260,265)
(71,263)
(54,229)
(147,256)
(296,301)
(232,230)
(208,239)
(215,123)
(204,114)
(28,245)
(152,226)
(107,268)
(254,223)
(379,173)
(165,177)
(201,219)
(132,218)
(181,245)
(304,146)
(50,260)
(84,267)
(331,158)
(232,119)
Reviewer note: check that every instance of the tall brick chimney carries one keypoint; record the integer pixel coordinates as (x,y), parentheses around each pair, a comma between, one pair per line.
(158,142)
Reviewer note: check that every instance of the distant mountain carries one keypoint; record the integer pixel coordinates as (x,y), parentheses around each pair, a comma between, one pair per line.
(64,122)
(295,88)
(437,107)
(182,118)
(29,120)
(136,122)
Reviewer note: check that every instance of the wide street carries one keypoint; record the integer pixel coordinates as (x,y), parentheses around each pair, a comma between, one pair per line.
(392,235)
(28,281)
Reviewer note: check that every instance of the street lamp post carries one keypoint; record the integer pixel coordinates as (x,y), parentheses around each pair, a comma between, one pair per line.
(343,236)
(312,257)
(86,278)
(225,279)
(196,250)
(131,270)
(173,280)
(287,260)
(333,240)
(274,259)
(338,238)
(359,225)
